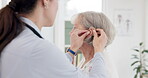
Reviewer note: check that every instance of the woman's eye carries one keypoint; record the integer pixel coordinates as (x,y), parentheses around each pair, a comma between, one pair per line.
(74,28)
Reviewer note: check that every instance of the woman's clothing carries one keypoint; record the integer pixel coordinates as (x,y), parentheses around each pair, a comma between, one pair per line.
(87,67)
(28,56)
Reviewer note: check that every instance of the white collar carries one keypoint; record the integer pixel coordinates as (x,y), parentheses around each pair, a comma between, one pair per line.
(30,23)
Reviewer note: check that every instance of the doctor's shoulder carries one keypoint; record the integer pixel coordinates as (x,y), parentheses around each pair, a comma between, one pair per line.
(33,42)
(28,43)
(42,46)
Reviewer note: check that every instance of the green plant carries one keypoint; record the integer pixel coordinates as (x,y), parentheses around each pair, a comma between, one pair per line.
(140,61)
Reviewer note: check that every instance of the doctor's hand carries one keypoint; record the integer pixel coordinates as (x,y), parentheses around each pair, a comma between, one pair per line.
(76,38)
(100,40)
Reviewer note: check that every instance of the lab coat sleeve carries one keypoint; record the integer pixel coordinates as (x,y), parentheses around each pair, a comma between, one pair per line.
(49,62)
(69,57)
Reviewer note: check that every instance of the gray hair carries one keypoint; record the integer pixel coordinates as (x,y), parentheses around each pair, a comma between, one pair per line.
(96,20)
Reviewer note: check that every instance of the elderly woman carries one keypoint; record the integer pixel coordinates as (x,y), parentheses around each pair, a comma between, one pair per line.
(90,21)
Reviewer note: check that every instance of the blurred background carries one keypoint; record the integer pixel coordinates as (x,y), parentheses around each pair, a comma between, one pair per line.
(130,18)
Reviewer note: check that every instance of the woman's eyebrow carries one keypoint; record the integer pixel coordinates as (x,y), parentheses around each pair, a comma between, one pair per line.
(74,27)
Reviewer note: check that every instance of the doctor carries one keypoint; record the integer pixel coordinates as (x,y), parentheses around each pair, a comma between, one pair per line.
(25,54)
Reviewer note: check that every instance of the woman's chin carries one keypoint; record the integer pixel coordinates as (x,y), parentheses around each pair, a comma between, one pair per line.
(48,25)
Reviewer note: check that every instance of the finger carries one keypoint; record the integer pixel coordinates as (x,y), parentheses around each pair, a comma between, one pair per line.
(91,28)
(73,29)
(81,32)
(90,34)
(95,33)
(78,32)
(100,31)
(73,32)
(84,35)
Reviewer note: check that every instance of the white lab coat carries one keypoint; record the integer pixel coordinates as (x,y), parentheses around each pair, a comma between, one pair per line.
(28,56)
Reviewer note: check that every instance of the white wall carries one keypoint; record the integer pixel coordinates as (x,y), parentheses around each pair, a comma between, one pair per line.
(146,23)
(3,3)
(59,28)
(48,33)
(0,4)
(121,49)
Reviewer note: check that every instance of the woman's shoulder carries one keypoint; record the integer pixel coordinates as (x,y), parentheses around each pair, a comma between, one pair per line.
(98,57)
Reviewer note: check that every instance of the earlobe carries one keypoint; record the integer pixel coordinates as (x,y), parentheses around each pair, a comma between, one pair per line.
(45,3)
(45,6)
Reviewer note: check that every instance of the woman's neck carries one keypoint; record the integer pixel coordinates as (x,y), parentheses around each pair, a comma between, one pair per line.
(36,17)
(87,51)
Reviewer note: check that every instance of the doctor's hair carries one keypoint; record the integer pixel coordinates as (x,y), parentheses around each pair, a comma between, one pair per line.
(10,24)
(97,20)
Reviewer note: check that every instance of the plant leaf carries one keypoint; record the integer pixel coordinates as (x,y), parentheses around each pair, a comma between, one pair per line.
(141,44)
(135,68)
(135,76)
(146,71)
(134,63)
(136,50)
(138,69)
(134,55)
(145,51)
(135,58)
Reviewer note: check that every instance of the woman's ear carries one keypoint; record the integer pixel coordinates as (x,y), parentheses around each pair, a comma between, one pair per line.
(89,35)
(91,32)
(45,3)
